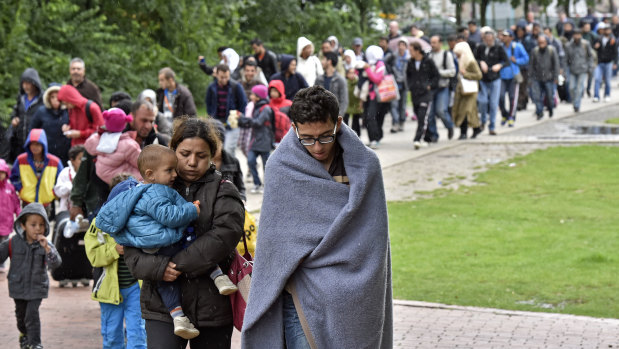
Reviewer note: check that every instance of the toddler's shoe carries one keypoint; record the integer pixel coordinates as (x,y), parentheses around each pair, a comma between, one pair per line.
(225,285)
(184,328)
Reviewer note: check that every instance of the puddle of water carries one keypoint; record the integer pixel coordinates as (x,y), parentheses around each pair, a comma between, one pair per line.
(597,130)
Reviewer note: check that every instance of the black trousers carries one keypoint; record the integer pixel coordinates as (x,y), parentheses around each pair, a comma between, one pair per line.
(28,321)
(355,122)
(160,335)
(373,118)
(422,110)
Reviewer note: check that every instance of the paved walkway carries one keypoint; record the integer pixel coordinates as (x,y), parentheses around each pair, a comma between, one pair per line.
(71,320)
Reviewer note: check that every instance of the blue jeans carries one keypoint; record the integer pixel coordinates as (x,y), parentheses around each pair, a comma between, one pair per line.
(398,108)
(439,108)
(603,71)
(112,321)
(488,99)
(293,332)
(577,87)
(541,89)
(252,161)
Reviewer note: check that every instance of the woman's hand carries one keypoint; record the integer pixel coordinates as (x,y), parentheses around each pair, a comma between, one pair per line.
(170,273)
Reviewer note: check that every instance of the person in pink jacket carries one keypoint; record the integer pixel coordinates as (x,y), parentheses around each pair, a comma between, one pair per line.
(117,152)
(9,204)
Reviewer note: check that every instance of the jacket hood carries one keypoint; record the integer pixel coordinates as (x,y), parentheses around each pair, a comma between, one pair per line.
(36,135)
(285,62)
(48,92)
(232,59)
(279,86)
(33,208)
(374,54)
(32,76)
(70,94)
(4,168)
(301,43)
(148,93)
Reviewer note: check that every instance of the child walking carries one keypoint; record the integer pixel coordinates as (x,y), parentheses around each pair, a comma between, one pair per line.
(116,151)
(35,172)
(30,254)
(154,217)
(9,205)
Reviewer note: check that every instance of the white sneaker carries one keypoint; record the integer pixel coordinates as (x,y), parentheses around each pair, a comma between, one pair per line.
(257,189)
(607,99)
(373,145)
(424,144)
(225,285)
(596,99)
(184,328)
(417,144)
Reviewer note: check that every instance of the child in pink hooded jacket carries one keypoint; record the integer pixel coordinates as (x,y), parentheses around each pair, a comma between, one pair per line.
(9,204)
(116,152)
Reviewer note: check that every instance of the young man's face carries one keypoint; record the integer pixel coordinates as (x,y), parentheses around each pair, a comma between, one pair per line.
(274,93)
(34,227)
(257,49)
(29,87)
(163,82)
(319,151)
(165,173)
(326,47)
(250,72)
(143,121)
(36,149)
(306,52)
(223,77)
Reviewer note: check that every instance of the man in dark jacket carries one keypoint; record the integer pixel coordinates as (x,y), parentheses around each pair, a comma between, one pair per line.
(267,60)
(332,81)
(173,99)
(492,58)
(422,78)
(29,100)
(580,62)
(223,96)
(85,87)
(544,73)
(606,47)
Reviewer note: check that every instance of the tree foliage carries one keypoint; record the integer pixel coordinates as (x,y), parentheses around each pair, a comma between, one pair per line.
(125,43)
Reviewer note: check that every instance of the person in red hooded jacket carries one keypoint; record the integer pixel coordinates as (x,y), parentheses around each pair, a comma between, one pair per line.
(277,92)
(80,125)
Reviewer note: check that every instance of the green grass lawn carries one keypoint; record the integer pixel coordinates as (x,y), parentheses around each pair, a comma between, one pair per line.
(544,232)
(614,121)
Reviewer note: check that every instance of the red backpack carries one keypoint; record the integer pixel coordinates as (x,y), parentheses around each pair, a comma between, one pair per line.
(280,123)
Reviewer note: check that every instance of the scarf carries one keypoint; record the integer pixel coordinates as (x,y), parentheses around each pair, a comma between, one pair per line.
(330,242)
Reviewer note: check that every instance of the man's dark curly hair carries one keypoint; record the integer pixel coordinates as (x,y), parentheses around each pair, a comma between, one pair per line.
(314,104)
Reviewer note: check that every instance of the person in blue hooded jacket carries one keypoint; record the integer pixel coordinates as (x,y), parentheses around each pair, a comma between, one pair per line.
(511,76)
(293,81)
(154,217)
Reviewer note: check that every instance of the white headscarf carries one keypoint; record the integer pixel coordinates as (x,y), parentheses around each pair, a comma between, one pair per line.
(353,59)
(231,59)
(373,54)
(466,55)
(333,38)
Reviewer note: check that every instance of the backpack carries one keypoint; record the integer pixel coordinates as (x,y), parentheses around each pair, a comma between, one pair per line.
(280,123)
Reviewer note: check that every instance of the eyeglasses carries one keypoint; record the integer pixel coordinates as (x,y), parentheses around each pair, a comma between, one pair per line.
(322,139)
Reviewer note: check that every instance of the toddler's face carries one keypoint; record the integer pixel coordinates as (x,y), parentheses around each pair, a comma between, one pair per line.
(34,227)
(2,176)
(165,173)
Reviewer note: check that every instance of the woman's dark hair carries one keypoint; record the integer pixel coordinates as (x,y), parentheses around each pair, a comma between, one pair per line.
(124,105)
(314,104)
(75,151)
(119,96)
(191,127)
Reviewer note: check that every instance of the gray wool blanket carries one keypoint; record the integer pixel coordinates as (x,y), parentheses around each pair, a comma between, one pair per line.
(331,241)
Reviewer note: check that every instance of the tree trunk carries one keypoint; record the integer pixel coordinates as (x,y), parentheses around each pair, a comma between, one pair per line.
(612,6)
(458,4)
(483,6)
(526,8)
(474,10)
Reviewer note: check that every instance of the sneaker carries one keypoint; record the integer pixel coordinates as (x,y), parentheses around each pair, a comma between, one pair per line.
(607,99)
(257,189)
(476,132)
(596,99)
(373,145)
(401,127)
(417,144)
(503,121)
(540,116)
(184,328)
(492,132)
(576,109)
(225,285)
(394,129)
(35,346)
(462,136)
(511,122)
(23,341)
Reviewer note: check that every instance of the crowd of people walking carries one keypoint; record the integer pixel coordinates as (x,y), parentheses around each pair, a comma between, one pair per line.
(65,150)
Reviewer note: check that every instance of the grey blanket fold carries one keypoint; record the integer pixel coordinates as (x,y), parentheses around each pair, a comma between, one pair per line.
(331,240)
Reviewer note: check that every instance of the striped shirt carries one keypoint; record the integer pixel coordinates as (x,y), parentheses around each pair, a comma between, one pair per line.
(125,279)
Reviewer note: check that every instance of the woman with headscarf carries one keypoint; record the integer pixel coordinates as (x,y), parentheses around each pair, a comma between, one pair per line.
(465,104)
(374,111)
(350,58)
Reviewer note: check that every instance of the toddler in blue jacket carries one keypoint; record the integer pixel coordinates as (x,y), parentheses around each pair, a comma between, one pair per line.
(156,218)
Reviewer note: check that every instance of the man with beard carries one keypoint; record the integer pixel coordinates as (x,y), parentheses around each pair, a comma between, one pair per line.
(85,87)
(580,61)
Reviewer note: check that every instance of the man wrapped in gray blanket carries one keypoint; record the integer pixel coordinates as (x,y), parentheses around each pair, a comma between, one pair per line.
(322,270)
